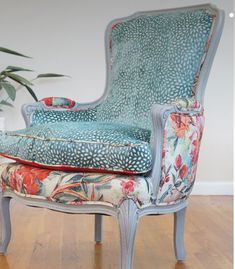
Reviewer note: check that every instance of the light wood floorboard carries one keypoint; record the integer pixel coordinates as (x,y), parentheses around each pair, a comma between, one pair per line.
(43,239)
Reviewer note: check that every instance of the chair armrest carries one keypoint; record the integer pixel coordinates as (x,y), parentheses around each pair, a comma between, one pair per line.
(175,142)
(58,105)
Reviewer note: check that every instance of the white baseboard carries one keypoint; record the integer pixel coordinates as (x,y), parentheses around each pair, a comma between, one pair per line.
(212,188)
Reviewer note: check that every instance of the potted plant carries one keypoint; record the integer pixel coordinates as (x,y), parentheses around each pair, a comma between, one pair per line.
(9,77)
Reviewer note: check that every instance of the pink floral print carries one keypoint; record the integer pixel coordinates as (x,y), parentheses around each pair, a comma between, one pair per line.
(181,143)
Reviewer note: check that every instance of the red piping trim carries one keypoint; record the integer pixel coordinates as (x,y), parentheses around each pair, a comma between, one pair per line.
(69,168)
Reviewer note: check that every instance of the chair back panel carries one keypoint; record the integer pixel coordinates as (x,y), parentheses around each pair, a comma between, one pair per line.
(154,58)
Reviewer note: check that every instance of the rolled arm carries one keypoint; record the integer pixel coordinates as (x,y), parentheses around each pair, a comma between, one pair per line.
(55,109)
(176,137)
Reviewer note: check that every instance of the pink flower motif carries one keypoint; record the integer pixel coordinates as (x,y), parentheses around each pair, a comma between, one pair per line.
(128,186)
(183,171)
(29,177)
(178,161)
(195,151)
(196,104)
(166,178)
(180,124)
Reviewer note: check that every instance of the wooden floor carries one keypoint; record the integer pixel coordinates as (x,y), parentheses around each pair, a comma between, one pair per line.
(44,239)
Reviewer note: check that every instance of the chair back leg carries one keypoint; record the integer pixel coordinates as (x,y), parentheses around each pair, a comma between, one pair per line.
(98,228)
(127,219)
(179,224)
(5,223)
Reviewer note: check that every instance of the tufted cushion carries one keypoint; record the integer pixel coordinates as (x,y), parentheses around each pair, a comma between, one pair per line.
(74,188)
(81,146)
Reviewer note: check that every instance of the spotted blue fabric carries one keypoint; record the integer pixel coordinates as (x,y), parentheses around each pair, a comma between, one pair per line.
(94,146)
(52,116)
(153,59)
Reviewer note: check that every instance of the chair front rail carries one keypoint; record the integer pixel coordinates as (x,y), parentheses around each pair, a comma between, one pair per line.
(95,208)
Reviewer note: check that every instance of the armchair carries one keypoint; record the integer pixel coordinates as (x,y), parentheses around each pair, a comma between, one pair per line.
(134,151)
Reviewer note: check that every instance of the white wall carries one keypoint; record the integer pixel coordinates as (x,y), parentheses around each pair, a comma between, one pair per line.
(67,37)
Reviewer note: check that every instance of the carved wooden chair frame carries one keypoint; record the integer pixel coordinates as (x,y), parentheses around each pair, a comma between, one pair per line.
(127,214)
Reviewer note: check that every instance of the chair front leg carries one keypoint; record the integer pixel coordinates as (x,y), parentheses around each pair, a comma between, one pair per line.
(127,219)
(98,228)
(6,223)
(179,224)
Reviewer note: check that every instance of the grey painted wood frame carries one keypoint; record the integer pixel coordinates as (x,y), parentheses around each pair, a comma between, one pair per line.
(127,214)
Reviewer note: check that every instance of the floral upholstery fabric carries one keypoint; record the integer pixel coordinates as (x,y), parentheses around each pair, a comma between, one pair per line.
(181,142)
(74,188)
(54,102)
(81,146)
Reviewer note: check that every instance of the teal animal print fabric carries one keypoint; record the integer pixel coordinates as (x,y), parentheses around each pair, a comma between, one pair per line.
(88,146)
(53,116)
(153,59)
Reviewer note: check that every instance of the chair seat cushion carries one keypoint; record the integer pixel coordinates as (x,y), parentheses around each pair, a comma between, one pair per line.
(83,146)
(74,188)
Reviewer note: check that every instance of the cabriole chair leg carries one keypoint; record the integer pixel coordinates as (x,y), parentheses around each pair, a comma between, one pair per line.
(127,219)
(98,228)
(179,224)
(6,223)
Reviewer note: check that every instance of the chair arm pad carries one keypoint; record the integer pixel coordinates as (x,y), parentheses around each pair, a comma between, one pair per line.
(58,102)
(53,109)
(177,132)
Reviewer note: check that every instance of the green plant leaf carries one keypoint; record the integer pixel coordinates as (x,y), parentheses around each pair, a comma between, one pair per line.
(32,93)
(11,68)
(5,103)
(50,75)
(18,78)
(11,91)
(5,50)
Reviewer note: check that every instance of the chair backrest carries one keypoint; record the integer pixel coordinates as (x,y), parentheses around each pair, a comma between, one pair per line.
(157,57)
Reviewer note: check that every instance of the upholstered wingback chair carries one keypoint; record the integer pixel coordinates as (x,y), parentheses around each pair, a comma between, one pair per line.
(133,152)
